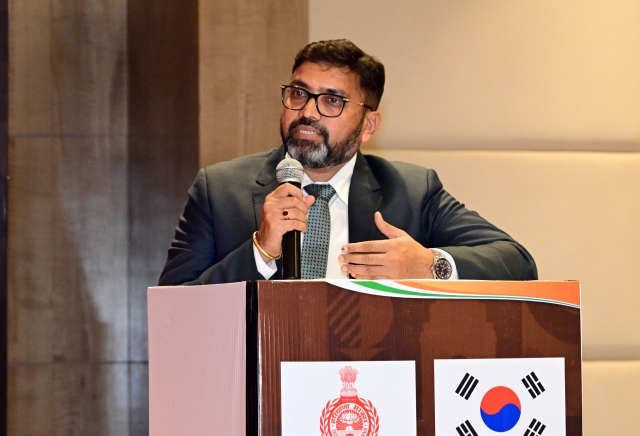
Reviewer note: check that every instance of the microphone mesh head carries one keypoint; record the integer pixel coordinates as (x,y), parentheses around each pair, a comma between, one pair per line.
(289,170)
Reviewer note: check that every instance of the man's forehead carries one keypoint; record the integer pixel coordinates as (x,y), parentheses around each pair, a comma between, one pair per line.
(322,77)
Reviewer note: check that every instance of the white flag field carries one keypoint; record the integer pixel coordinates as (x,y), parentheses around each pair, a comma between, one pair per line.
(523,397)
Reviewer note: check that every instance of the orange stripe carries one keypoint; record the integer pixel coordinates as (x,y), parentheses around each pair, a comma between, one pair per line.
(566,292)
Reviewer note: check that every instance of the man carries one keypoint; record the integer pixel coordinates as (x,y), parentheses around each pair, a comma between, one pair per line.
(380,219)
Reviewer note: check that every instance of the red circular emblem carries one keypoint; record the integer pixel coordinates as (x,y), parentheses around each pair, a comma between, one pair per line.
(349,415)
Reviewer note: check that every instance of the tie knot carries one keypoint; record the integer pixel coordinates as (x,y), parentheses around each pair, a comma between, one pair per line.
(323,191)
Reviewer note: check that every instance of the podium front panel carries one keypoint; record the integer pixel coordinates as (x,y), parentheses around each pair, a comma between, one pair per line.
(316,321)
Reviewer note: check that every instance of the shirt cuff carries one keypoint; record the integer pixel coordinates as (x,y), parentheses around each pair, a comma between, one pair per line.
(454,270)
(267,269)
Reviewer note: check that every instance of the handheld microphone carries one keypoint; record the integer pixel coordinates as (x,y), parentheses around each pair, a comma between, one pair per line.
(290,171)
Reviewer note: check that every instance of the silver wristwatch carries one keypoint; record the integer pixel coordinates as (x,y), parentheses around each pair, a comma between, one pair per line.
(440,268)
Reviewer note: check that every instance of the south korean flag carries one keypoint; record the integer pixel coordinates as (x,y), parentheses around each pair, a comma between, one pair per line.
(511,397)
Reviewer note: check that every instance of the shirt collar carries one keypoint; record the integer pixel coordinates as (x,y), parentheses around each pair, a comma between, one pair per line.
(341,181)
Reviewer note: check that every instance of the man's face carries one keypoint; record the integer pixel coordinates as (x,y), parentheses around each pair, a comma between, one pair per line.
(317,141)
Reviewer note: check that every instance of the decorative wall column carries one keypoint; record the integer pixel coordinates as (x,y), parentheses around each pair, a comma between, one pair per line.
(68,218)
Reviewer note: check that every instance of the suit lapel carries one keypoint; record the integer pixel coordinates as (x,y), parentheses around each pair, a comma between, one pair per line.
(365,198)
(266,182)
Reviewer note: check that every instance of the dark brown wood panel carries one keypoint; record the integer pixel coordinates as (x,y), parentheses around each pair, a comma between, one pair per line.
(163,71)
(162,159)
(320,322)
(4,148)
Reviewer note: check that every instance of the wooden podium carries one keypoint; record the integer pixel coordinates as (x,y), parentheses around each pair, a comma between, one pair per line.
(215,351)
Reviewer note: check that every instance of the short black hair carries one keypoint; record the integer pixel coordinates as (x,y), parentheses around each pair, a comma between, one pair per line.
(344,53)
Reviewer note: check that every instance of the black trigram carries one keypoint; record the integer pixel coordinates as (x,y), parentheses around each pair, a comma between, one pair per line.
(533,385)
(535,428)
(466,429)
(466,386)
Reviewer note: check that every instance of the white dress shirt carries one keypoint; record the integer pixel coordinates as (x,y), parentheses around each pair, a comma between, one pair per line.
(339,209)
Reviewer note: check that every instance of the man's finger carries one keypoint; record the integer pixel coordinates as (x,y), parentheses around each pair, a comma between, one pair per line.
(292,213)
(289,203)
(309,200)
(363,258)
(366,247)
(361,277)
(387,229)
(287,189)
(279,227)
(364,270)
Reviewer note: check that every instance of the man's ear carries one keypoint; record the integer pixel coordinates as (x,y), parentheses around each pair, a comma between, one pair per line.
(371,122)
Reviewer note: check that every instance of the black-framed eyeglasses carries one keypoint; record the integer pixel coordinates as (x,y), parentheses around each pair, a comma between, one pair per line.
(328,105)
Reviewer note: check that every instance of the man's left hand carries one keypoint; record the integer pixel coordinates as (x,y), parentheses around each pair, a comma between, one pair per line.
(399,257)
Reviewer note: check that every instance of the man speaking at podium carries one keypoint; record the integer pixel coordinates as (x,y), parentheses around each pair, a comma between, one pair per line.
(360,216)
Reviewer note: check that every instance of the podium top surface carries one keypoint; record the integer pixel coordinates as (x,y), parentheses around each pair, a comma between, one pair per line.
(564,293)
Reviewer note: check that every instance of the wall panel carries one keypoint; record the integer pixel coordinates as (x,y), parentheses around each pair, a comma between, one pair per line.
(68,228)
(611,397)
(246,52)
(68,244)
(499,74)
(83,399)
(68,67)
(4,145)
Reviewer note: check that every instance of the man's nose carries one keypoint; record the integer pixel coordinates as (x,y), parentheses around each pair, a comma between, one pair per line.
(310,110)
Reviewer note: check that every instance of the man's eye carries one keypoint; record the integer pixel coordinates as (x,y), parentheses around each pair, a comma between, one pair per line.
(297,93)
(332,100)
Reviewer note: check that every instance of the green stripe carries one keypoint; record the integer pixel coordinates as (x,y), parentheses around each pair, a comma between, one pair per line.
(383,288)
(388,289)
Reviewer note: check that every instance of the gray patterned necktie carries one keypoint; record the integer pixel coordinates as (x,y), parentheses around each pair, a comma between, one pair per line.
(315,245)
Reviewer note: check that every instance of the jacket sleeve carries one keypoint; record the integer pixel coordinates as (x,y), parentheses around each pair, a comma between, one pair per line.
(192,257)
(481,250)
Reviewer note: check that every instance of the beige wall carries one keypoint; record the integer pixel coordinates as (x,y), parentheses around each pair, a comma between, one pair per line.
(498,73)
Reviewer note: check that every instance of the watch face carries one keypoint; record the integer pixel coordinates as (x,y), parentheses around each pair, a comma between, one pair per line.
(443,269)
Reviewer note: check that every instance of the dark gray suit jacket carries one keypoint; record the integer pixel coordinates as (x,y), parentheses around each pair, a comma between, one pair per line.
(213,243)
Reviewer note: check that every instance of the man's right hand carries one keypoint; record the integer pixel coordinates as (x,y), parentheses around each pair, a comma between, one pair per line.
(273,224)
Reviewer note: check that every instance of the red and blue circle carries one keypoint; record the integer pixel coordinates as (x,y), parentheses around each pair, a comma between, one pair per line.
(500,409)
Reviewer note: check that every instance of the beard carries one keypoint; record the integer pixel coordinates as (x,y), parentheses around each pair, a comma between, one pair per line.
(324,154)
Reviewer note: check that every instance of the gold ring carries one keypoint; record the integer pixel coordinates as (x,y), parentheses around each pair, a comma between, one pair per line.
(285,214)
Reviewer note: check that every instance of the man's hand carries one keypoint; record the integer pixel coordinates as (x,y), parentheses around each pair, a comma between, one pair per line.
(273,224)
(399,257)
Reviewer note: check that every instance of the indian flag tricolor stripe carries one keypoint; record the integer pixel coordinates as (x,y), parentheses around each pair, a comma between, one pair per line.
(562,293)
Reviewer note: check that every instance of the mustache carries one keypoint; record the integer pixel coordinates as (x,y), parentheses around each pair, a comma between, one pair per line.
(311,123)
